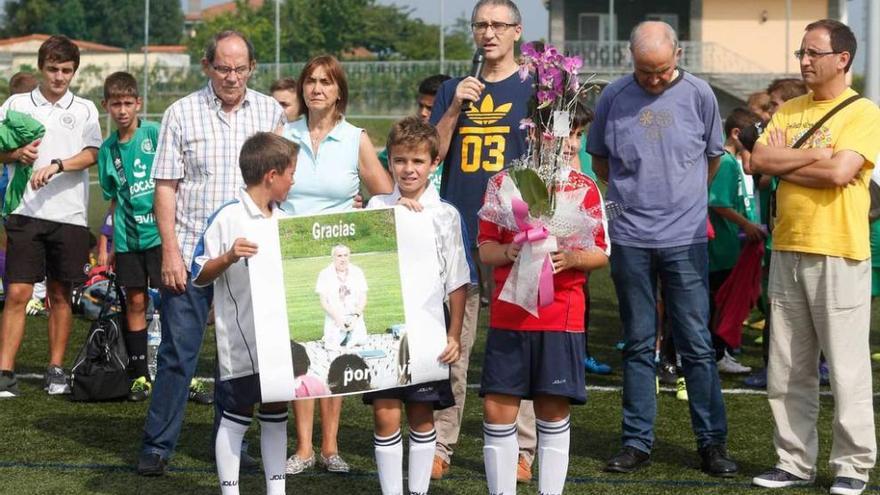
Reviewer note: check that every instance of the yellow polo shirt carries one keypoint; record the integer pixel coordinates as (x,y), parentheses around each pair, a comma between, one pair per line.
(831,221)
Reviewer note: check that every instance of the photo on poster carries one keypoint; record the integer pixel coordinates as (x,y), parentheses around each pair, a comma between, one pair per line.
(345,308)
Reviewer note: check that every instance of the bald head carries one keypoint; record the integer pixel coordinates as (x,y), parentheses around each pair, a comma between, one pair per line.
(655,52)
(652,36)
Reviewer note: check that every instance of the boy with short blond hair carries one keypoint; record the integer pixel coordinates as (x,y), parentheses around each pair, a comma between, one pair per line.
(413,157)
(125,162)
(267,163)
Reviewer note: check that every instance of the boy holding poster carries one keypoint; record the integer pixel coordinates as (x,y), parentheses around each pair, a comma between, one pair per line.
(267,164)
(413,149)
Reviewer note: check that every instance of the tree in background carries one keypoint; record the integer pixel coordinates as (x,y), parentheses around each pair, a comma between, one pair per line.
(25,17)
(110,22)
(312,27)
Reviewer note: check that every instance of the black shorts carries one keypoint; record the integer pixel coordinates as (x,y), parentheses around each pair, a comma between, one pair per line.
(140,269)
(238,394)
(530,363)
(438,393)
(36,249)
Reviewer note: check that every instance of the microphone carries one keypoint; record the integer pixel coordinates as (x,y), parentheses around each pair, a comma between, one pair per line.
(477,67)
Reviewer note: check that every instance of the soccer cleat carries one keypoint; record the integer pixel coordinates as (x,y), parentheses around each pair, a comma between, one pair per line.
(681,391)
(140,390)
(729,364)
(777,478)
(666,373)
(56,381)
(595,367)
(8,385)
(35,307)
(199,393)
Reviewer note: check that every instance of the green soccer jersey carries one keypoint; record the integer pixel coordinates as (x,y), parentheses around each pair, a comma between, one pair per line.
(728,190)
(134,224)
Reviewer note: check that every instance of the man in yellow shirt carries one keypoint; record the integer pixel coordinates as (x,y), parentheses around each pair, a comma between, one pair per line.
(820,275)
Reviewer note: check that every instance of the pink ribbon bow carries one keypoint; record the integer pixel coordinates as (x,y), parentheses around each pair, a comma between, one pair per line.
(533,233)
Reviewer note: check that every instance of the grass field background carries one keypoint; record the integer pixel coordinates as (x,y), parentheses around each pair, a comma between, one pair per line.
(304,313)
(49,445)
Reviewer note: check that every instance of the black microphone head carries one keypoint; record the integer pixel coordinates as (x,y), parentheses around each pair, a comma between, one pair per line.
(479,55)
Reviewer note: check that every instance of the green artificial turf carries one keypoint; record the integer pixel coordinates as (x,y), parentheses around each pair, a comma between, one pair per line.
(50,445)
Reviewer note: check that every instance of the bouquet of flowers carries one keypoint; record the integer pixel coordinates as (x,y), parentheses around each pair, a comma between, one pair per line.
(537,196)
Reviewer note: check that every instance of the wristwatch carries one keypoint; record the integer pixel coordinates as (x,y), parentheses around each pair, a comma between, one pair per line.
(57,161)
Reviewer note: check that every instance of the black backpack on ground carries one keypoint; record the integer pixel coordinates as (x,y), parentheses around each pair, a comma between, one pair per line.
(99,372)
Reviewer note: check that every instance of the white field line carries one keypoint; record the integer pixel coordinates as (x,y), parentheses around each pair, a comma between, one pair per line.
(590,388)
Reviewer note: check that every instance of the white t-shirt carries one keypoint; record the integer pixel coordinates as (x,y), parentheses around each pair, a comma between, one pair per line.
(344,291)
(233,309)
(456,268)
(71,126)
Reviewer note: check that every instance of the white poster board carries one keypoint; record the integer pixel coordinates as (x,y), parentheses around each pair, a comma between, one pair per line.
(347,303)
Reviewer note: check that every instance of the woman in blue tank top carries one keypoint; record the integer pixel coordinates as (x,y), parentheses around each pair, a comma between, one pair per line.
(334,157)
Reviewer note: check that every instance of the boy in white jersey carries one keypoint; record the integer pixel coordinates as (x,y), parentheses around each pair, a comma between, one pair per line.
(267,164)
(46,232)
(413,156)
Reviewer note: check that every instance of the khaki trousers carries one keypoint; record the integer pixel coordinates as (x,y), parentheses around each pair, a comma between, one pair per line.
(448,421)
(821,303)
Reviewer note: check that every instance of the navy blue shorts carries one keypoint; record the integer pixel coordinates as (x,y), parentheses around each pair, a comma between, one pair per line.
(528,363)
(238,394)
(439,393)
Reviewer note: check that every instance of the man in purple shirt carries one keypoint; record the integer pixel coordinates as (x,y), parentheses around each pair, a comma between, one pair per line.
(656,141)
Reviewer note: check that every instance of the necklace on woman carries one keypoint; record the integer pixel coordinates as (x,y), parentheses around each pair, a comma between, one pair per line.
(317,136)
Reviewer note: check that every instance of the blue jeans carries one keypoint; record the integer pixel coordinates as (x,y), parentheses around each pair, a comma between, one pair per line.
(183,325)
(683,276)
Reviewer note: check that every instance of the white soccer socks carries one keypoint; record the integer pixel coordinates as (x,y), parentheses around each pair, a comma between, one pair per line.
(421,459)
(500,454)
(389,462)
(273,447)
(553,444)
(227,450)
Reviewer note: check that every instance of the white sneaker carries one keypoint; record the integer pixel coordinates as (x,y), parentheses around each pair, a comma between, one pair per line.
(728,364)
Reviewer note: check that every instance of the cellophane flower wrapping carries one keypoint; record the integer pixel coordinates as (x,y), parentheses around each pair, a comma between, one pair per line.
(556,218)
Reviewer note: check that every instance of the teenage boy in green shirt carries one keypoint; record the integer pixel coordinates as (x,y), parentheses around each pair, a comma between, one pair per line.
(125,161)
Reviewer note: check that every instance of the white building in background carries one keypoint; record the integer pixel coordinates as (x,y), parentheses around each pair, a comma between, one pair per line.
(96,60)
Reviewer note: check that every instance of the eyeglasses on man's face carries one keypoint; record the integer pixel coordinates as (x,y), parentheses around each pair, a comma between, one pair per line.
(226,71)
(498,27)
(812,54)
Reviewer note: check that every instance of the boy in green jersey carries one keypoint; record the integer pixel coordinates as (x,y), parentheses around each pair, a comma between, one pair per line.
(125,161)
(733,215)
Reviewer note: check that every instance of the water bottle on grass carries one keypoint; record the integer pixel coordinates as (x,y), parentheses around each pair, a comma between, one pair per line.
(154,338)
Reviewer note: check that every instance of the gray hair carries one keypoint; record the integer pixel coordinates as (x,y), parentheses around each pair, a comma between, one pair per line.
(211,49)
(639,43)
(514,10)
(338,247)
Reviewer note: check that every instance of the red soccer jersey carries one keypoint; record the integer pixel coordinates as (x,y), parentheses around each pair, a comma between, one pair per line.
(566,312)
